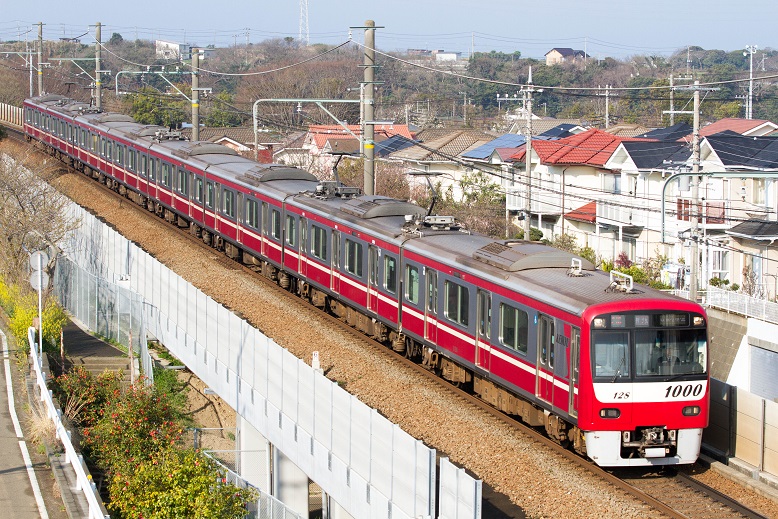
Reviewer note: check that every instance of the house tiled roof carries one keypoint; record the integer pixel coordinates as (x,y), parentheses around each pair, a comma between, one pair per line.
(652,155)
(755,230)
(585,213)
(540,126)
(627,130)
(593,147)
(241,134)
(444,147)
(504,141)
(669,134)
(749,152)
(319,134)
(734,124)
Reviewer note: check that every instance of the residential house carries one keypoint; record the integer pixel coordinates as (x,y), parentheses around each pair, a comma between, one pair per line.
(240,139)
(563,55)
(747,127)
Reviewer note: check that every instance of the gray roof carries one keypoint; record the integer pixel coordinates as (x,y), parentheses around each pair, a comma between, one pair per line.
(755,230)
(483,152)
(652,155)
(749,152)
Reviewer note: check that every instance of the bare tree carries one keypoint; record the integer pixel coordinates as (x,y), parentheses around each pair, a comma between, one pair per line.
(32,213)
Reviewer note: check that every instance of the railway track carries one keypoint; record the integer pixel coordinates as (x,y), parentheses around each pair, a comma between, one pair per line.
(658,491)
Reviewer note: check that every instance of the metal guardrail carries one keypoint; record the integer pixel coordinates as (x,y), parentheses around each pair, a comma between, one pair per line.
(742,304)
(83,480)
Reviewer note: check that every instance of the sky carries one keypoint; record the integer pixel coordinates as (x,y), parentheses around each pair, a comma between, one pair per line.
(614,28)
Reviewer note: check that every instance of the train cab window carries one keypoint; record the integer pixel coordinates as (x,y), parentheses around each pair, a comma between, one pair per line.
(166,174)
(291,230)
(546,340)
(412,284)
(182,185)
(457,301)
(252,210)
(432,291)
(275,224)
(353,256)
(198,192)
(611,353)
(669,352)
(209,194)
(228,202)
(319,242)
(514,324)
(390,274)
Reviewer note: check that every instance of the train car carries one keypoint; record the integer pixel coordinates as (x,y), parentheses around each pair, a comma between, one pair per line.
(617,371)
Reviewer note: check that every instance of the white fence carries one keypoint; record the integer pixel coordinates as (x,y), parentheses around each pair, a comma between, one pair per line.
(11,115)
(368,465)
(84,482)
(742,304)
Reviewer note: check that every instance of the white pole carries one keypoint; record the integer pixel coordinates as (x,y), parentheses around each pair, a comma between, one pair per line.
(40,307)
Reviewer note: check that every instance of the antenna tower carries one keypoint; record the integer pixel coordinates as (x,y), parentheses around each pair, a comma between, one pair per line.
(304,36)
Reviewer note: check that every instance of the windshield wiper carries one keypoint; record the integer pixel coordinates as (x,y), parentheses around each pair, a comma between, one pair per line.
(618,369)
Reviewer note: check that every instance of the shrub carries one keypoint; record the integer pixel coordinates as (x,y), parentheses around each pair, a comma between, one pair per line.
(177,483)
(83,396)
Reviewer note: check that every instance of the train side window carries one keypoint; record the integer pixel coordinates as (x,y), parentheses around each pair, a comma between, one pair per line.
(390,274)
(84,138)
(153,167)
(275,224)
(95,140)
(120,155)
(209,195)
(183,184)
(575,357)
(546,340)
(319,242)
(132,159)
(336,249)
(252,209)
(513,328)
(412,284)
(457,301)
(432,291)
(291,230)
(166,174)
(108,150)
(228,203)
(198,190)
(144,160)
(353,254)
(372,264)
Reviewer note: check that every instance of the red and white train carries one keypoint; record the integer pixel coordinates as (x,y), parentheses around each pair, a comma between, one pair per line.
(618,372)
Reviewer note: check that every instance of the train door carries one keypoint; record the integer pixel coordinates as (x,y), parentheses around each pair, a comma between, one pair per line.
(431,307)
(372,279)
(575,361)
(335,274)
(265,225)
(303,265)
(483,333)
(544,385)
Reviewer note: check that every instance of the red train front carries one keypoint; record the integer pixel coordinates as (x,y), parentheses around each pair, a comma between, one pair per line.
(643,394)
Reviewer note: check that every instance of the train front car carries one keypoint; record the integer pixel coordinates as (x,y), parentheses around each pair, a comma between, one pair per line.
(648,379)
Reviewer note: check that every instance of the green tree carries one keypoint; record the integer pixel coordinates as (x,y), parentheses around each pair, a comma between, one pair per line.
(177,483)
(116,39)
(148,106)
(221,112)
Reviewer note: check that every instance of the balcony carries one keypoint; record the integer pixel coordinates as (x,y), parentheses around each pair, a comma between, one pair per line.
(542,202)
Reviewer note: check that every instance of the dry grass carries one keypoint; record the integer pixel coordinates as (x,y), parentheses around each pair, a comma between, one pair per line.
(40,428)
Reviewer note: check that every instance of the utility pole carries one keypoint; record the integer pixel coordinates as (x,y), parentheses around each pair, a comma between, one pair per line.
(40,58)
(695,194)
(750,51)
(195,94)
(527,91)
(672,102)
(607,106)
(369,129)
(98,55)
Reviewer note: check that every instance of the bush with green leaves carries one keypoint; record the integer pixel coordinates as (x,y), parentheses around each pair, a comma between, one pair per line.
(177,483)
(83,396)
(22,308)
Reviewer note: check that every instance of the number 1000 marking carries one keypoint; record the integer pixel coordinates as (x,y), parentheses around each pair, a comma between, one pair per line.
(685,391)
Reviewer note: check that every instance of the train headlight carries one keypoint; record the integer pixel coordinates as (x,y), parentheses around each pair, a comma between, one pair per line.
(599,322)
(698,320)
(609,413)
(691,410)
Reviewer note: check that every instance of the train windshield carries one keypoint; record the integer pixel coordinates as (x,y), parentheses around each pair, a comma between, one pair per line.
(640,346)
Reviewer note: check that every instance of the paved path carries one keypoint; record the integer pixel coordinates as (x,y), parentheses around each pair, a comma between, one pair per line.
(20,495)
